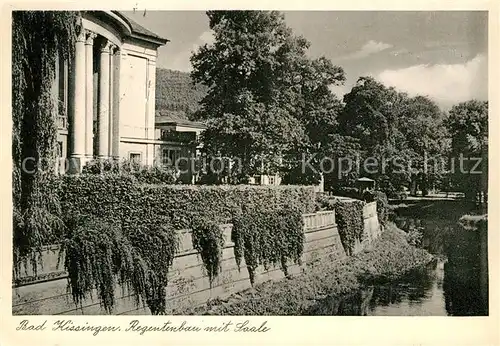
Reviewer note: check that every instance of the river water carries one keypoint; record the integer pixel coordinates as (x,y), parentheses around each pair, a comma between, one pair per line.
(454,284)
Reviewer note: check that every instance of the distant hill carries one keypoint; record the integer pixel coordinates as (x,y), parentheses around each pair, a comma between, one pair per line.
(175,94)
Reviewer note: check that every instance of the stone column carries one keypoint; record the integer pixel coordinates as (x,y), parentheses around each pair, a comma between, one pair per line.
(77,132)
(111,97)
(103,119)
(115,147)
(89,116)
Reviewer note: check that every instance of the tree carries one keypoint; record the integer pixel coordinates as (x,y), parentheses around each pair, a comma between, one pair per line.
(34,132)
(402,132)
(421,124)
(467,124)
(371,116)
(265,97)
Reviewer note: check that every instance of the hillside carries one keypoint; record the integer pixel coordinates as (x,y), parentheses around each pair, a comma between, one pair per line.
(176,94)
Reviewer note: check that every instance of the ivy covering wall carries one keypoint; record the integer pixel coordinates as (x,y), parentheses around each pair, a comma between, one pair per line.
(350,223)
(36,208)
(268,237)
(125,233)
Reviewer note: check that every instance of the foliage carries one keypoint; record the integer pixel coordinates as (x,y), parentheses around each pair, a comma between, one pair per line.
(208,240)
(176,94)
(390,257)
(100,254)
(383,208)
(350,223)
(403,134)
(114,196)
(474,222)
(325,202)
(265,97)
(147,215)
(414,237)
(268,237)
(34,111)
(155,174)
(468,127)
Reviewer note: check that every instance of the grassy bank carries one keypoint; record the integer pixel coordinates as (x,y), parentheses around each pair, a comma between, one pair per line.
(390,256)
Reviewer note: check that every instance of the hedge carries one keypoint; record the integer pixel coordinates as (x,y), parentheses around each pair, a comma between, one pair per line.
(155,174)
(122,198)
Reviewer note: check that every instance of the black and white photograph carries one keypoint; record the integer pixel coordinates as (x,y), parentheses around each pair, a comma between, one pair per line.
(249,163)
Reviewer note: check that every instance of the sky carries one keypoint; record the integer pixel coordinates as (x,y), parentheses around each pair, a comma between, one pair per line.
(440,54)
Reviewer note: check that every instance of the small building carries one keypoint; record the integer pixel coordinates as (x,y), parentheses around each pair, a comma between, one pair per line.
(364,183)
(177,145)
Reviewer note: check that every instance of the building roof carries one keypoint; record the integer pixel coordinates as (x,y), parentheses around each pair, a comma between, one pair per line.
(172,120)
(140,31)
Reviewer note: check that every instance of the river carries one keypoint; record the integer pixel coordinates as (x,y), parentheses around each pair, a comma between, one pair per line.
(454,284)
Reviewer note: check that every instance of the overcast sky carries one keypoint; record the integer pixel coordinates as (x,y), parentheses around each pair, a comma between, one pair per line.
(439,54)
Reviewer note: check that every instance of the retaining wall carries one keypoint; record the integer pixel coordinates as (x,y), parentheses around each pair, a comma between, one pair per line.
(47,293)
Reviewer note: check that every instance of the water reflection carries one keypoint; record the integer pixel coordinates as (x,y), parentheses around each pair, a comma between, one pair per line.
(455,284)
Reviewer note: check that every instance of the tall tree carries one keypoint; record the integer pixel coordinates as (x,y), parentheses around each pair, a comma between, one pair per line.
(467,124)
(264,94)
(402,132)
(38,38)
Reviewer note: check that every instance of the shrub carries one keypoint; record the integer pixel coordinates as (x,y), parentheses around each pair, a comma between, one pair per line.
(110,196)
(36,222)
(414,237)
(268,237)
(350,223)
(100,166)
(145,174)
(155,175)
(474,222)
(324,202)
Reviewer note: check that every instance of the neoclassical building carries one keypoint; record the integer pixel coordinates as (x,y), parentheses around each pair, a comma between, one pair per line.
(106,96)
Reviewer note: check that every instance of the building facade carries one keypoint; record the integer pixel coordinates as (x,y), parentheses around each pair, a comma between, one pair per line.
(106,96)
(178,146)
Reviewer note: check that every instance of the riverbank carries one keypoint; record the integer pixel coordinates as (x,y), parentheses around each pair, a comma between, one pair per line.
(388,257)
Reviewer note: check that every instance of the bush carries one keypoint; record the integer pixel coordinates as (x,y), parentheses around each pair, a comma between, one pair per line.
(117,197)
(350,223)
(324,202)
(474,222)
(268,237)
(155,175)
(145,174)
(414,237)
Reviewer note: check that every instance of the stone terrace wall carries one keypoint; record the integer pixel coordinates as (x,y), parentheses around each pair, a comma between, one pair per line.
(188,285)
